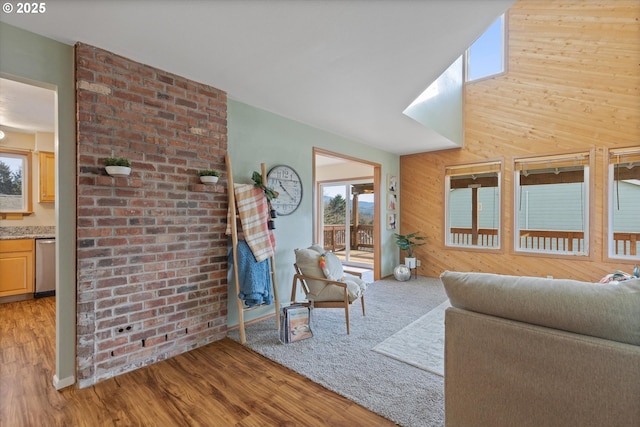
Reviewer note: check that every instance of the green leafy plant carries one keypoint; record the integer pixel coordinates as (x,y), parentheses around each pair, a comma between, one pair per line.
(269,192)
(117,161)
(209,172)
(407,242)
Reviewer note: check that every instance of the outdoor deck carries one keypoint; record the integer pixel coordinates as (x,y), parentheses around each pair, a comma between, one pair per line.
(364,257)
(361,243)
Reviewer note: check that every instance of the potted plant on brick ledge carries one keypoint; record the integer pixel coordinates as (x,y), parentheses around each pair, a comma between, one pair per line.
(117,166)
(209,176)
(407,242)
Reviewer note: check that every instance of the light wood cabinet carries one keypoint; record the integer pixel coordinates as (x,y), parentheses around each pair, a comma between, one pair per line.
(47,162)
(16,267)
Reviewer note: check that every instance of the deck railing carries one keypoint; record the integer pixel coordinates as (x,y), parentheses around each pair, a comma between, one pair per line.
(627,244)
(362,237)
(487,237)
(552,240)
(335,237)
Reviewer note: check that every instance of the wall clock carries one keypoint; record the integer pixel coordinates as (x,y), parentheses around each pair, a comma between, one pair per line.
(286,181)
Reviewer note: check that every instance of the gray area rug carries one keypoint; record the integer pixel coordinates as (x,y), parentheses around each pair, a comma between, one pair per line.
(347,365)
(421,343)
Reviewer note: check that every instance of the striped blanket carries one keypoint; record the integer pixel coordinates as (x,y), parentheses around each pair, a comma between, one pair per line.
(254,214)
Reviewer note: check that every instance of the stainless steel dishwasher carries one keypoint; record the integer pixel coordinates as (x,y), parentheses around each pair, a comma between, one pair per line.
(45,268)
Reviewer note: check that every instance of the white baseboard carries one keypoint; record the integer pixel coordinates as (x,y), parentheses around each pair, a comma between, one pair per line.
(59,384)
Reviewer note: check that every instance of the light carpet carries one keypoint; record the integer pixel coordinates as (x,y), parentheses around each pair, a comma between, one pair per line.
(421,343)
(345,364)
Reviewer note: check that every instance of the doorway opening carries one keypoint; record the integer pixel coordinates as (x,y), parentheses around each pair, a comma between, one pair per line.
(28,113)
(347,209)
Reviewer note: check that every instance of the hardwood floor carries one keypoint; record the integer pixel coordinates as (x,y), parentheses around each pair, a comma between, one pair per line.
(221,384)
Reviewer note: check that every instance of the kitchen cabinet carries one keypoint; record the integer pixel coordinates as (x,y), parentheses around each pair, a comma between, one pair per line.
(47,163)
(16,267)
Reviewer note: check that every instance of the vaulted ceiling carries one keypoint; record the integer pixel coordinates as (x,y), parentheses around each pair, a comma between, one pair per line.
(349,67)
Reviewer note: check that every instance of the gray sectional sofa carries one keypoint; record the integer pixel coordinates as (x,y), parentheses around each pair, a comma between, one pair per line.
(526,351)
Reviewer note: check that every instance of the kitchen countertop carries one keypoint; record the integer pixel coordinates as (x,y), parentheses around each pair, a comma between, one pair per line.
(27,232)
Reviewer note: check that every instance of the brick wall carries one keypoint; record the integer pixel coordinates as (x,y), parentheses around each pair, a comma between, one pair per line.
(151,271)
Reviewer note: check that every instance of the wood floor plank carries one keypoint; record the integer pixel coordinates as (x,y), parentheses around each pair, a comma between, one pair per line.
(221,384)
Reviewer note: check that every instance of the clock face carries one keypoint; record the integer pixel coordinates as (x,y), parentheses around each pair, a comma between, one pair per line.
(286,182)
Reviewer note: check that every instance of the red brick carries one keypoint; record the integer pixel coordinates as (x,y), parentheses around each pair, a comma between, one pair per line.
(134,234)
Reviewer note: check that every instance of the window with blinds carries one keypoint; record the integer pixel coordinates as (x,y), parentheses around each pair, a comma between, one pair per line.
(552,204)
(624,203)
(473,205)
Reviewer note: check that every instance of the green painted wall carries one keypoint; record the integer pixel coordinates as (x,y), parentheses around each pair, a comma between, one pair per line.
(30,58)
(257,136)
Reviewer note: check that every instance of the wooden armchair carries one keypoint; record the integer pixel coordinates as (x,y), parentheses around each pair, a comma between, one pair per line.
(325,282)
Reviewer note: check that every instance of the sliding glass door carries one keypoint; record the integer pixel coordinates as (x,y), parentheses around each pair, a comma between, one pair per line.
(347,221)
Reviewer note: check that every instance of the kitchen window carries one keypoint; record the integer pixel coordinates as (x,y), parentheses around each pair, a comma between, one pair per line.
(15,184)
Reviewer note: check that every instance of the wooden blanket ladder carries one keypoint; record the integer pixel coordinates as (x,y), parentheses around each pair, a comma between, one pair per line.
(233,222)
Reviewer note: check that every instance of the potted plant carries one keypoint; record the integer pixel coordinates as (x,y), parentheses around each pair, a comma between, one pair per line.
(269,193)
(117,166)
(209,176)
(407,242)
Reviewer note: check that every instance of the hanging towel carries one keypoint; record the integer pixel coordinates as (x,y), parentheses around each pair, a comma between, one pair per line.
(254,214)
(254,277)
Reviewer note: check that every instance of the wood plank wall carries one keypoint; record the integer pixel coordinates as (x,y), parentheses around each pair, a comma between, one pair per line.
(573,84)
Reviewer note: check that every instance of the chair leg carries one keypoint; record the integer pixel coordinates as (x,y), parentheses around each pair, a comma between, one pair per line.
(346,315)
(362,302)
(293,288)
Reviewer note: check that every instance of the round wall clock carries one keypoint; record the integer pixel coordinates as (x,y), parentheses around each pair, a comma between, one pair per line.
(286,181)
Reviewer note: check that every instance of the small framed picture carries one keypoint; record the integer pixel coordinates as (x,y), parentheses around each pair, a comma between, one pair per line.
(392,183)
(392,201)
(391,221)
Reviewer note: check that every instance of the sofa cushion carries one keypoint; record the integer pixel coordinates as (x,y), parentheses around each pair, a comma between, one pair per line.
(335,293)
(609,311)
(333,270)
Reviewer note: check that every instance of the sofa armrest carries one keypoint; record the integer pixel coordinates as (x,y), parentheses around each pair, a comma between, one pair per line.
(605,311)
(500,372)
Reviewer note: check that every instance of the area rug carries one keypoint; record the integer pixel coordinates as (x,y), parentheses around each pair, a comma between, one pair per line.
(420,344)
(345,364)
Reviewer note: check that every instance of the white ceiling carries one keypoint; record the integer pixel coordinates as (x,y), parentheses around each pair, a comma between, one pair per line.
(349,67)
(26,108)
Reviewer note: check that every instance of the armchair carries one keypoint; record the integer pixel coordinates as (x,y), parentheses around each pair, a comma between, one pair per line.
(324,281)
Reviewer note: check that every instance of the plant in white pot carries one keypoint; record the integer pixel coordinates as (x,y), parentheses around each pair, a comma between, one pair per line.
(117,166)
(407,242)
(209,176)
